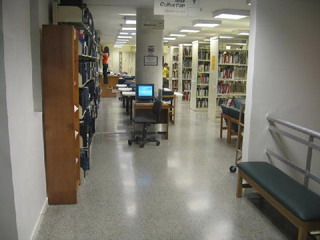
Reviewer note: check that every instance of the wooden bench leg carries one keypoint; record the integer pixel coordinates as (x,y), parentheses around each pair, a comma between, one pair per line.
(229,132)
(239,186)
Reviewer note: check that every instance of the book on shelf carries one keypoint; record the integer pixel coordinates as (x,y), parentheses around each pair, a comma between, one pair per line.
(202,103)
(187,51)
(233,57)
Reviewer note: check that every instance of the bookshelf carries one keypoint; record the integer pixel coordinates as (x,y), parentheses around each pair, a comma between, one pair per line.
(200,76)
(174,69)
(71,97)
(186,74)
(231,74)
(61,112)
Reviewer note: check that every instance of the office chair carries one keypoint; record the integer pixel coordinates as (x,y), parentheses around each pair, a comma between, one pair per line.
(147,121)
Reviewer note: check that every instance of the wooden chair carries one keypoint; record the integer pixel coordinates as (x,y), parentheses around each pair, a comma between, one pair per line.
(229,120)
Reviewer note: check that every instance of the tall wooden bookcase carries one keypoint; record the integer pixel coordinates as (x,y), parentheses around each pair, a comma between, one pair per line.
(61,112)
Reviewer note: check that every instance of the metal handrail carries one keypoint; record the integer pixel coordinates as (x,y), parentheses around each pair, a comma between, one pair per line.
(309,143)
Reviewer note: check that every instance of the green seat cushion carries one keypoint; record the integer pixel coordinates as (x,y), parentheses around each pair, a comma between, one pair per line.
(298,199)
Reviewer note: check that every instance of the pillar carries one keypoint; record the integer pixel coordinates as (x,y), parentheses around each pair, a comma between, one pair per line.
(149,42)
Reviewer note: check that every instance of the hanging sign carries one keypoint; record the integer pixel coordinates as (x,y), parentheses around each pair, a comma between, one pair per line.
(175,7)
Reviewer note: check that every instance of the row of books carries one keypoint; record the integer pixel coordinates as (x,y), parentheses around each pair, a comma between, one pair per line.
(203,79)
(175,84)
(204,67)
(186,96)
(202,103)
(187,51)
(231,87)
(175,74)
(232,72)
(175,66)
(202,91)
(186,74)
(175,58)
(233,57)
(88,70)
(187,63)
(87,44)
(204,54)
(186,86)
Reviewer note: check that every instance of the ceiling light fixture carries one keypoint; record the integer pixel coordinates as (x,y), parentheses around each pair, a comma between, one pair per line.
(119,43)
(127,14)
(118,46)
(130,20)
(122,40)
(225,37)
(206,23)
(123,33)
(169,38)
(125,27)
(241,32)
(249,2)
(133,34)
(124,36)
(231,14)
(190,30)
(187,44)
(177,35)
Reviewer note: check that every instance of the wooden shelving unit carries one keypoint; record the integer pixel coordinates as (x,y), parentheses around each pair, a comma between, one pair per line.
(200,76)
(61,112)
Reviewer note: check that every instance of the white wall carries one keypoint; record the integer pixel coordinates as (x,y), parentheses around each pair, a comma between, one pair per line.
(8,228)
(284,72)
(25,125)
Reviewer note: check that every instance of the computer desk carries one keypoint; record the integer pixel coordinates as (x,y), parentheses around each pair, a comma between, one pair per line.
(143,108)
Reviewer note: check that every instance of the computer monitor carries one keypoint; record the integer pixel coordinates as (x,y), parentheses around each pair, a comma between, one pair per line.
(145,92)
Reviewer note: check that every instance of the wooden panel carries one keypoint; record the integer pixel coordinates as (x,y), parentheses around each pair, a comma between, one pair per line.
(60,96)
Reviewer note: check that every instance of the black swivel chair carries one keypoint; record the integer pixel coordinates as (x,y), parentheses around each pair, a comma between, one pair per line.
(147,121)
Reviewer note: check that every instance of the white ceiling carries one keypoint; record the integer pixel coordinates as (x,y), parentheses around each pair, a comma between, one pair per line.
(107,19)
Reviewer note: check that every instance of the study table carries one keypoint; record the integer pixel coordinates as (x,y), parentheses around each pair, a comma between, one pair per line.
(127,98)
(146,108)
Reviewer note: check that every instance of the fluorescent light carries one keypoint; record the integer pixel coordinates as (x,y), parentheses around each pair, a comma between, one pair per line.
(190,30)
(169,38)
(128,28)
(119,43)
(117,46)
(123,33)
(249,2)
(241,32)
(127,14)
(214,38)
(124,36)
(226,37)
(187,44)
(122,40)
(231,14)
(206,23)
(133,34)
(130,20)
(165,41)
(177,35)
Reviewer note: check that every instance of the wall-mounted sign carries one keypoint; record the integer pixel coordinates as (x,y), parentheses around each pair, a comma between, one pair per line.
(150,60)
(175,7)
(151,50)
(152,24)
(213,62)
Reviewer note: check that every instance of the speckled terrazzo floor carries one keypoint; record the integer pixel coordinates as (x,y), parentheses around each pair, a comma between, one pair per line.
(180,190)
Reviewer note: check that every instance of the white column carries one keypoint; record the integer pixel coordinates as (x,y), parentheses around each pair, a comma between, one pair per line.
(149,35)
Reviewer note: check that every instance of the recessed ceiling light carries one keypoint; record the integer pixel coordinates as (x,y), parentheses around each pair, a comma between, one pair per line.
(127,14)
(226,37)
(169,38)
(231,14)
(118,46)
(122,40)
(123,33)
(177,35)
(124,36)
(133,34)
(187,44)
(165,41)
(119,43)
(128,28)
(241,32)
(190,30)
(249,2)
(130,20)
(206,23)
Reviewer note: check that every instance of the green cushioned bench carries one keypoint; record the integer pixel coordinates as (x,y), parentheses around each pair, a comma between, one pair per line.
(296,202)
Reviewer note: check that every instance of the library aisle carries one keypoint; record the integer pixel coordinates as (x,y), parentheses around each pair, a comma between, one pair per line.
(180,190)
